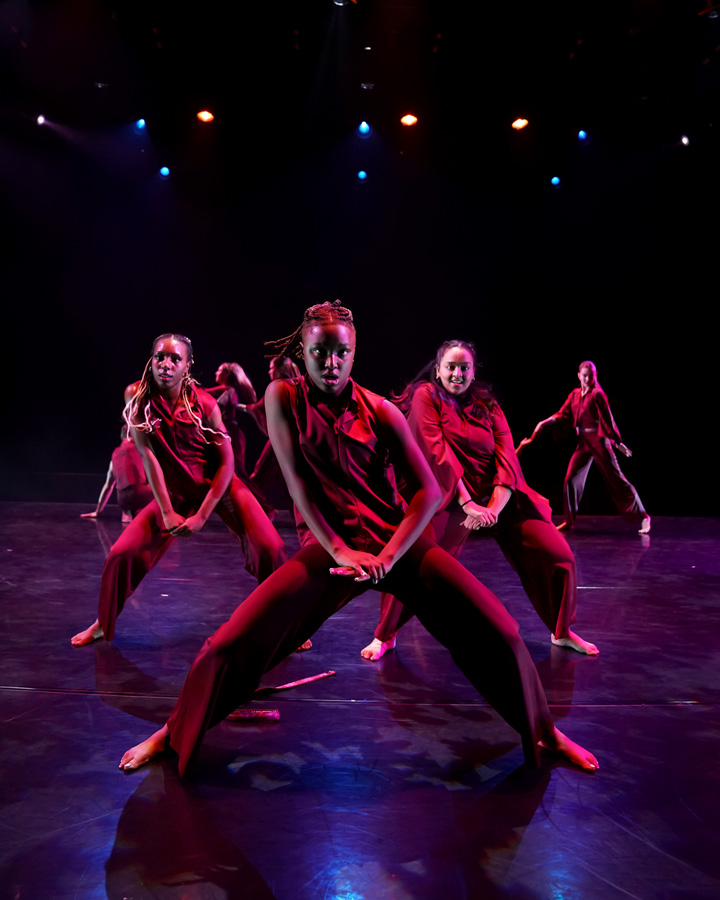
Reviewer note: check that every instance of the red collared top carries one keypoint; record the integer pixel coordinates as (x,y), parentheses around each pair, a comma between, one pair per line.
(188,463)
(349,469)
(591,412)
(461,441)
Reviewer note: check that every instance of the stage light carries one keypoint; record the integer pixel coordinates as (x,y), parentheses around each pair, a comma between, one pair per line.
(140,124)
(519,124)
(685,140)
(362,175)
(364,128)
(164,171)
(582,135)
(555,181)
(409,119)
(41,120)
(205,115)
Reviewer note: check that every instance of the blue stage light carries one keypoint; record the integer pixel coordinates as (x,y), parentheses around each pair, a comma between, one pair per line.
(364,128)
(362,175)
(582,135)
(140,124)
(555,181)
(164,171)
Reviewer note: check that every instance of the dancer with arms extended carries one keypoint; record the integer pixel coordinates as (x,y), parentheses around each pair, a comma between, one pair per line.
(588,411)
(189,463)
(466,440)
(339,446)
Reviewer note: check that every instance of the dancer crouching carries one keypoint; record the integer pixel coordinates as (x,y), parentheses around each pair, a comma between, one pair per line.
(338,446)
(466,440)
(189,463)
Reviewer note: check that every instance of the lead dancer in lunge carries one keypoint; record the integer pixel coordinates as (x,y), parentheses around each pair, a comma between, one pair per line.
(189,464)
(339,446)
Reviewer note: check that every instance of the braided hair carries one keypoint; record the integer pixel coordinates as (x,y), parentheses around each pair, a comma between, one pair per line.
(321,314)
(137,410)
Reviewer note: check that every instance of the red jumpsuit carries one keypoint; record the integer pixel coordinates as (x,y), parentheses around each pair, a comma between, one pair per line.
(346,461)
(188,465)
(469,442)
(591,417)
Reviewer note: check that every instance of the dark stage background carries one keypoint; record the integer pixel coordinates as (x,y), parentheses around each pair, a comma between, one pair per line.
(456,232)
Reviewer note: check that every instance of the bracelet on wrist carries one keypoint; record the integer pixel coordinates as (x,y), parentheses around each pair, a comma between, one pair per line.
(463,505)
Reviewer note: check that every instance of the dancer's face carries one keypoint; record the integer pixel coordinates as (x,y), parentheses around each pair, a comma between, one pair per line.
(585,377)
(170,363)
(221,376)
(329,352)
(456,371)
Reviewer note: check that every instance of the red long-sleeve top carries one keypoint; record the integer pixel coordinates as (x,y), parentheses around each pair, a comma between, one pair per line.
(460,440)
(591,412)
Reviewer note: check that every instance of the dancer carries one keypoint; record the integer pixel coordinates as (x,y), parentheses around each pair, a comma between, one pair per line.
(125,470)
(178,430)
(339,447)
(588,411)
(266,476)
(233,389)
(466,439)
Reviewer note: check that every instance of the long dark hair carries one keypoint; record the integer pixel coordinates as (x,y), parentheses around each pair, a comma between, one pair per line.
(479,395)
(237,379)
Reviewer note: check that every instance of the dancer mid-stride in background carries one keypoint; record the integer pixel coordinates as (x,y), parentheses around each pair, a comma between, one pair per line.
(341,448)
(588,411)
(188,460)
(466,439)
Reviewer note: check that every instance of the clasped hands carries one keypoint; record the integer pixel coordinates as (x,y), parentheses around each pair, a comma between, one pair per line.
(478,516)
(179,526)
(361,565)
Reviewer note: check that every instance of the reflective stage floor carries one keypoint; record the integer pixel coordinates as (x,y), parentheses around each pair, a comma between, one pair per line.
(388,781)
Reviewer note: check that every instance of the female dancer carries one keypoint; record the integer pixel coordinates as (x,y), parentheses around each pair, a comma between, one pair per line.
(125,470)
(588,411)
(233,390)
(188,461)
(466,439)
(338,446)
(266,476)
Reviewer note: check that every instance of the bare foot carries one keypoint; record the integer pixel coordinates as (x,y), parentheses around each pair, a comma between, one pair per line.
(572,752)
(644,526)
(376,649)
(93,633)
(306,645)
(143,753)
(575,642)
(564,526)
